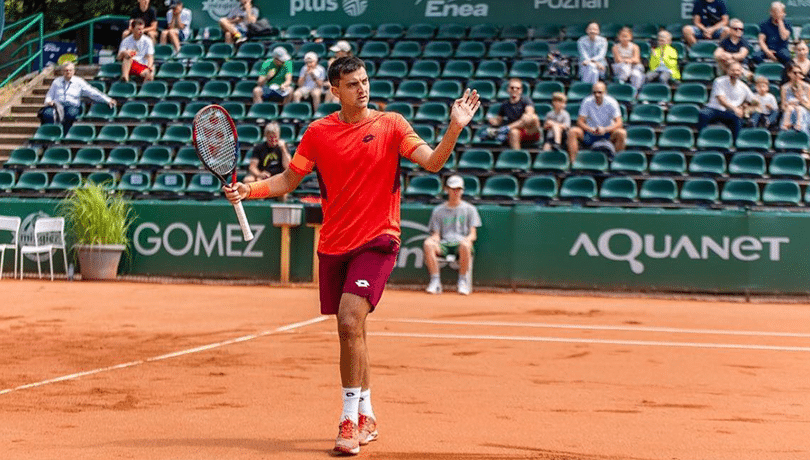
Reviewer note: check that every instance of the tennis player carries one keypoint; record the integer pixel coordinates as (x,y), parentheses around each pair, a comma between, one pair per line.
(356,151)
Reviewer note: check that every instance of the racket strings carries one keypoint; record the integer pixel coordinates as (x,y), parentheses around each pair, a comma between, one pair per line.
(216,142)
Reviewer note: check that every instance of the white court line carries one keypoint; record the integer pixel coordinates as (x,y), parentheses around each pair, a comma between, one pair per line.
(593,341)
(189,351)
(598,327)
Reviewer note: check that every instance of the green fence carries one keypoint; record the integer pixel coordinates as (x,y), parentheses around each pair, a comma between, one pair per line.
(522,246)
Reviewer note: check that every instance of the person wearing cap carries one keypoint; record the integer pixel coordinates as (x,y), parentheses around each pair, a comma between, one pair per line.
(178,20)
(275,80)
(235,24)
(341,48)
(452,230)
(310,81)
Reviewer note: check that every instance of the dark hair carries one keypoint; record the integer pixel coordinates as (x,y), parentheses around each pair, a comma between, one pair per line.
(138,22)
(342,66)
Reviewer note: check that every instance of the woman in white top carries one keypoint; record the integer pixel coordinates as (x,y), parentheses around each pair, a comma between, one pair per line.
(801,58)
(795,100)
(592,51)
(627,59)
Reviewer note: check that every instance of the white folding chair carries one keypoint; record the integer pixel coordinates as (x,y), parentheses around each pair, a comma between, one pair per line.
(49,236)
(11,224)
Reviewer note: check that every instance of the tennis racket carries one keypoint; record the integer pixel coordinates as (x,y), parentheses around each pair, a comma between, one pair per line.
(217,145)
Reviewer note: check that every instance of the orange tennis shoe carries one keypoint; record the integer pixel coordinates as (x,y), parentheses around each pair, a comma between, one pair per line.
(368,429)
(348,439)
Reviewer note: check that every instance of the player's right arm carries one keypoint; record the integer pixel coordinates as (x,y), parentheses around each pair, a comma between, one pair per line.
(461,113)
(277,185)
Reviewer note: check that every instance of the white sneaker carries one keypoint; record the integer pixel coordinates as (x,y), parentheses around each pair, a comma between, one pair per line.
(435,286)
(464,287)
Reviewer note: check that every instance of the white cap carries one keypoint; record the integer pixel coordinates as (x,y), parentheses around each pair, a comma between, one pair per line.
(311,57)
(341,45)
(281,53)
(455,181)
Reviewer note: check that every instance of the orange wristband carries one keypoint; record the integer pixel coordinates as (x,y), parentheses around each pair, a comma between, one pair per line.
(258,190)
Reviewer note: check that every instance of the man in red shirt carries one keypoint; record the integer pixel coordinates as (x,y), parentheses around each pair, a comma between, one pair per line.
(356,151)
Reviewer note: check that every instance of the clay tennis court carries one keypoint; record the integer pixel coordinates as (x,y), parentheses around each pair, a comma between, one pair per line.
(191,371)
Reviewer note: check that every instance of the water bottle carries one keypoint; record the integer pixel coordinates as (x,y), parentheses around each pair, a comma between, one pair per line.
(70,272)
(206,34)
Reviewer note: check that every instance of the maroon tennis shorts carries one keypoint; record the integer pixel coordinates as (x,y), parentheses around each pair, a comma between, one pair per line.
(363,271)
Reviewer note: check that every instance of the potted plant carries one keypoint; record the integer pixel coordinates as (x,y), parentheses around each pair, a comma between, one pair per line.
(98,221)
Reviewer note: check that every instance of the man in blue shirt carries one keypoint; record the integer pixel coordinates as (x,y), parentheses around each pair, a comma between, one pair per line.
(734,48)
(774,37)
(710,19)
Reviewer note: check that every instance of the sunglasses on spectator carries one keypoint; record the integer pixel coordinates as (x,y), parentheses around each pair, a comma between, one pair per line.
(737,28)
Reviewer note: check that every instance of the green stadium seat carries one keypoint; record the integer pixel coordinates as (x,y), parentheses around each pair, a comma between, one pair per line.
(590,161)
(485,88)
(658,190)
(438,50)
(578,189)
(534,49)
(423,187)
(104,178)
(618,189)
(433,112)
(47,134)
(645,31)
(7,180)
(297,32)
(203,185)
(544,90)
(539,188)
(88,157)
(190,52)
(450,31)
(267,111)
(80,133)
(22,157)
(202,70)
(99,112)
(743,192)
(770,70)
(243,91)
(700,191)
(610,30)
(295,112)
(647,114)
(514,32)
(406,49)
(470,50)
(703,50)
(425,69)
(513,161)
(804,33)
(164,112)
(214,91)
(122,157)
(676,137)
(622,92)
(683,114)
(490,68)
(547,31)
(122,90)
(573,111)
(176,135)
(392,69)
(788,165)
(754,139)
(690,93)
(31,182)
(476,160)
(153,91)
(403,108)
(134,182)
(790,141)
(287,133)
(209,34)
(579,90)
(155,157)
(781,193)
(249,134)
(132,111)
(542,108)
(99,85)
(680,48)
(698,72)
(168,184)
(420,32)
(668,162)
(163,52)
(525,70)
(55,157)
(371,68)
(707,164)
(747,164)
(112,134)
(381,89)
(190,110)
(220,52)
(186,90)
(235,109)
(250,51)
(715,138)
(568,48)
(109,71)
(64,181)
(640,137)
(472,186)
(751,32)
(373,49)
(233,70)
(551,161)
(655,93)
(506,49)
(500,187)
(411,90)
(144,134)
(483,32)
(186,158)
(629,162)
(389,31)
(461,69)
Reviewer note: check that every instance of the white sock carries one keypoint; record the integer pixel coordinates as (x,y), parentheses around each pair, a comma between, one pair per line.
(351,401)
(435,277)
(365,404)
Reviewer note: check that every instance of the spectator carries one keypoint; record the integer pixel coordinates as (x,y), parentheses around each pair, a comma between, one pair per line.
(599,124)
(235,24)
(801,58)
(341,48)
(710,19)
(734,48)
(664,60)
(310,81)
(627,59)
(774,37)
(178,20)
(268,158)
(516,119)
(795,100)
(137,54)
(276,73)
(453,231)
(592,50)
(149,17)
(557,123)
(729,93)
(765,109)
(63,103)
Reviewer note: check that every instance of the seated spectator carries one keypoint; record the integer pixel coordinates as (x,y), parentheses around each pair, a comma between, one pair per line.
(801,58)
(341,48)
(137,54)
(764,108)
(710,21)
(275,82)
(592,51)
(453,231)
(599,124)
(664,60)
(268,158)
(310,81)
(627,59)
(178,20)
(557,123)
(235,24)
(734,48)
(774,37)
(795,100)
(149,17)
(63,103)
(516,120)
(729,93)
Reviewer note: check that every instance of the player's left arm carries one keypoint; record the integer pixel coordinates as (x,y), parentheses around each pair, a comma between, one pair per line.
(461,114)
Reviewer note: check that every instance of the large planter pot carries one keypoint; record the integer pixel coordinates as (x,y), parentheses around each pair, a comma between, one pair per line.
(99,261)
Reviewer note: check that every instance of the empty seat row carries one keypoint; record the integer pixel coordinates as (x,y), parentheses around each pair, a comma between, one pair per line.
(143,134)
(165,183)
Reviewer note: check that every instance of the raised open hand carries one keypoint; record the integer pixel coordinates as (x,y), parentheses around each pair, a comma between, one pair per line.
(463,109)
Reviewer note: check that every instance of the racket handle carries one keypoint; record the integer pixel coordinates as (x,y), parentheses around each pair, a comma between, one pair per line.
(247,234)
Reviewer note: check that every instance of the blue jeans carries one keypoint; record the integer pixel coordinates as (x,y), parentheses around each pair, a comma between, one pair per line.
(764,120)
(71,112)
(782,56)
(710,115)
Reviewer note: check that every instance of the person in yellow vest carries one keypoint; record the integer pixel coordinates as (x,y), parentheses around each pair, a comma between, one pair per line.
(664,60)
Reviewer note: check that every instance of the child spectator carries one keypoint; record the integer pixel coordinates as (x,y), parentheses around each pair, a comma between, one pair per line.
(627,59)
(664,60)
(556,123)
(764,106)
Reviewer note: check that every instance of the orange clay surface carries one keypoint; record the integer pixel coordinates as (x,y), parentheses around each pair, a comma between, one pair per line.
(490,376)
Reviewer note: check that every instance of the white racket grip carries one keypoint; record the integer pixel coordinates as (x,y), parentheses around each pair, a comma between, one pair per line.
(247,234)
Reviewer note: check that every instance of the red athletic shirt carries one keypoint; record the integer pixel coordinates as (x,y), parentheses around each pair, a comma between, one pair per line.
(358,170)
